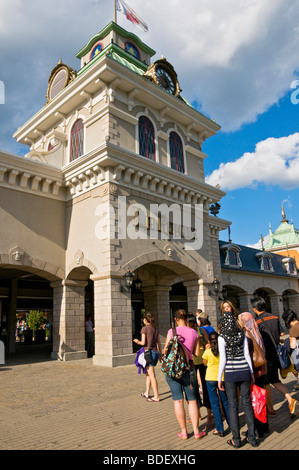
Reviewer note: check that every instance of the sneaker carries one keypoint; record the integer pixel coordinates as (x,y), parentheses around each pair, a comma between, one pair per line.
(294,407)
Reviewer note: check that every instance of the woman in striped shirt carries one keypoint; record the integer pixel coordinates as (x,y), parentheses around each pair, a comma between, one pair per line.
(235,362)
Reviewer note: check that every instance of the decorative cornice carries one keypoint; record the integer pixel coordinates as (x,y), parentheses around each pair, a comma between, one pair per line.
(30,176)
(109,163)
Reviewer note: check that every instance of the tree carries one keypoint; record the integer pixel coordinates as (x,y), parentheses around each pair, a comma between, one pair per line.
(35,320)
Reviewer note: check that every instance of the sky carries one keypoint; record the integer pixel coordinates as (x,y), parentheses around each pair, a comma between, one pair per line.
(237,62)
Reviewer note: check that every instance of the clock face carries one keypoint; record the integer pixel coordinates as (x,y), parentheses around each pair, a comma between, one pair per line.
(58,83)
(165,80)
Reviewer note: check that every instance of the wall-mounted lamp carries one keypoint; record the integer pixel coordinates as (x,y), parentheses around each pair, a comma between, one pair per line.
(129,278)
(137,284)
(216,290)
(214,208)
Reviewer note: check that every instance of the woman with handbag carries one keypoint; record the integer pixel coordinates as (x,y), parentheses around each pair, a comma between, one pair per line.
(150,340)
(258,356)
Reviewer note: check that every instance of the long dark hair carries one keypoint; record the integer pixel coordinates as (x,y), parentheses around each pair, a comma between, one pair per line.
(213,338)
(150,318)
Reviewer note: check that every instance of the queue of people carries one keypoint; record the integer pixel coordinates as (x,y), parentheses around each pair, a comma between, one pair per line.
(222,368)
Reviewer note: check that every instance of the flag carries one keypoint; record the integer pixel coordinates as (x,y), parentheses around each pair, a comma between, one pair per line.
(130,14)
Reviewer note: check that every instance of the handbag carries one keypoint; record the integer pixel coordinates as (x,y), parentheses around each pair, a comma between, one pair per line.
(283,357)
(282,353)
(258,397)
(258,357)
(148,352)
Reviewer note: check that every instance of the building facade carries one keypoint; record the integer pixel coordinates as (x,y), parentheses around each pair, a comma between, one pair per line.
(113,186)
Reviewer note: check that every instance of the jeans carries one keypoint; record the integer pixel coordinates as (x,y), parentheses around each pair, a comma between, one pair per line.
(231,392)
(213,391)
(185,385)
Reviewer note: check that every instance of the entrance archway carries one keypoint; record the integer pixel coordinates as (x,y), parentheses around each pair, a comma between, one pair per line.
(162,293)
(78,314)
(24,290)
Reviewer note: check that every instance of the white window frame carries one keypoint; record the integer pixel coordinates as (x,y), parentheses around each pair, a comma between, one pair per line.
(232,247)
(261,257)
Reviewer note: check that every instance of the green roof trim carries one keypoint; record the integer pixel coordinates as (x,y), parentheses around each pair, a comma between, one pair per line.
(119,55)
(118,29)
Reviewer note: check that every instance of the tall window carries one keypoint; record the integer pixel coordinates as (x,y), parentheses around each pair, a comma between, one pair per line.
(77,139)
(176,152)
(146,138)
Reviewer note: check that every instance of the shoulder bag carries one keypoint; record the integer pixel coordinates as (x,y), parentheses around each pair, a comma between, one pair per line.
(258,357)
(148,352)
(282,353)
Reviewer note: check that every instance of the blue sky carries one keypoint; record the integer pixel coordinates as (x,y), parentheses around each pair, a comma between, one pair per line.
(236,61)
(254,207)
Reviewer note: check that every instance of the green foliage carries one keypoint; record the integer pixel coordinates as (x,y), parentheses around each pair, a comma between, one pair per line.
(35,319)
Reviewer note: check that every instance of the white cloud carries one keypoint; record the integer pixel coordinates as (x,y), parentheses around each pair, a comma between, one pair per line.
(235,58)
(275,161)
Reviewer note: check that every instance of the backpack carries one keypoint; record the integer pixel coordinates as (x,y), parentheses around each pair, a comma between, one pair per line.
(175,361)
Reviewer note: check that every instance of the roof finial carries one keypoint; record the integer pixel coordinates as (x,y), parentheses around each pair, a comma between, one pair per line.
(262,242)
(283,214)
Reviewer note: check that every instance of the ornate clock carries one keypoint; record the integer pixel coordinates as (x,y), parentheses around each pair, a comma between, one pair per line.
(163,74)
(60,77)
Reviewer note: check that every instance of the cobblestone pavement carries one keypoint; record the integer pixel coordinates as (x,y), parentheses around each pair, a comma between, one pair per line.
(53,405)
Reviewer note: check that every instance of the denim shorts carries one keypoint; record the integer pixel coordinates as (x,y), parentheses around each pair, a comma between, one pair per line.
(155,358)
(185,385)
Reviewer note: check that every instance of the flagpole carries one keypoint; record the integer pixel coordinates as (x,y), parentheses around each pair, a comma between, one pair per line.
(115,14)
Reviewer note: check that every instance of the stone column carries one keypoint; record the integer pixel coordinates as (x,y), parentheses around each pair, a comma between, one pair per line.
(113,323)
(245,304)
(156,301)
(276,306)
(11,318)
(69,320)
(293,302)
(208,303)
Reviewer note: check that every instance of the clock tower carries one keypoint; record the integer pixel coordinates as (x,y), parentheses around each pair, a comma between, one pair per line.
(124,142)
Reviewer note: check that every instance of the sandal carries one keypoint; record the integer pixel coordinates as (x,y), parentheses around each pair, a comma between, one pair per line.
(153,399)
(200,435)
(231,443)
(144,395)
(182,435)
(217,433)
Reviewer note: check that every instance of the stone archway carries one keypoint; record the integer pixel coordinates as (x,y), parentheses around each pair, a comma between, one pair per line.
(113,304)
(24,287)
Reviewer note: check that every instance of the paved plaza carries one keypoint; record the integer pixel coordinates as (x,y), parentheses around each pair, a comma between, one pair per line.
(53,405)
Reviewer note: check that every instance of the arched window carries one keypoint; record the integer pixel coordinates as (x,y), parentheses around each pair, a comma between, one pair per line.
(176,152)
(96,50)
(146,138)
(77,139)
